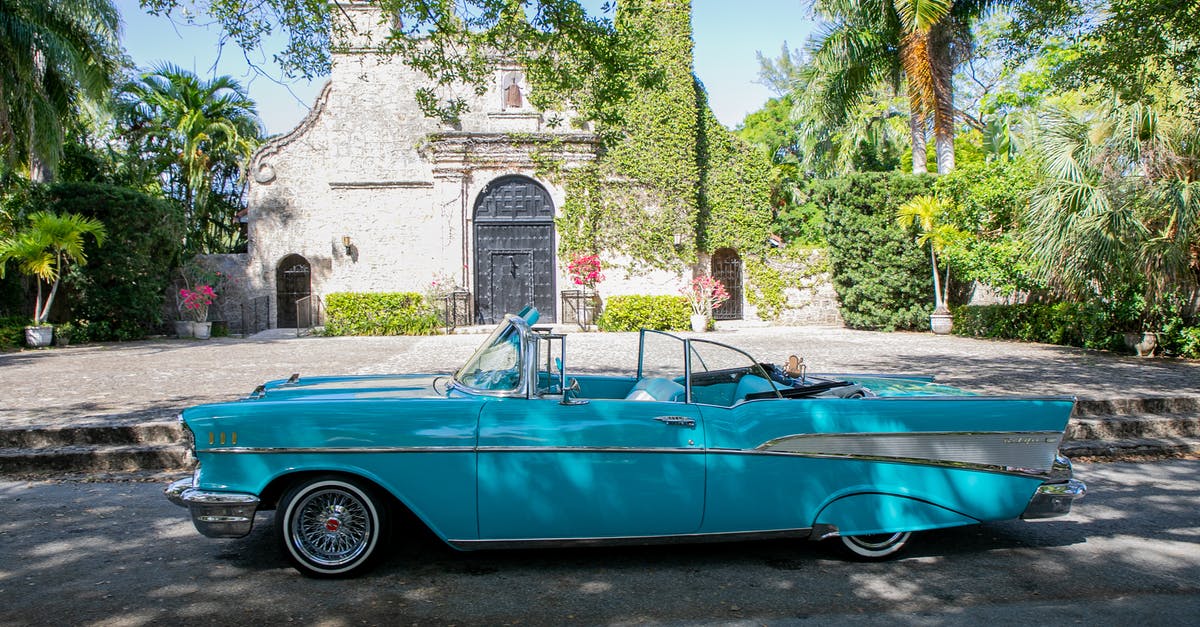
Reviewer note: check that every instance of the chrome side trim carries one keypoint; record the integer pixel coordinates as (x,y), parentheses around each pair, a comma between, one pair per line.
(275,450)
(1005,470)
(452,449)
(729,536)
(1030,452)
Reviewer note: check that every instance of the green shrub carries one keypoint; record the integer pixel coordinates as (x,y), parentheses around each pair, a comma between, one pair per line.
(881,276)
(1188,343)
(632,313)
(12,331)
(379,313)
(1066,324)
(120,290)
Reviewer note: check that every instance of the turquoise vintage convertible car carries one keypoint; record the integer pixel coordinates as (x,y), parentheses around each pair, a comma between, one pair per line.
(702,442)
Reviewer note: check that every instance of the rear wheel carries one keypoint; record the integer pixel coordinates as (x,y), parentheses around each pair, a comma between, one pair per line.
(876,546)
(331,526)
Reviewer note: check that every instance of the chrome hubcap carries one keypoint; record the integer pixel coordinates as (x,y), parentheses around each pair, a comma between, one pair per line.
(331,527)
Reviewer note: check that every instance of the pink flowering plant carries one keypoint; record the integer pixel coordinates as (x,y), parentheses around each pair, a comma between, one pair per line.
(585,270)
(196,301)
(705,294)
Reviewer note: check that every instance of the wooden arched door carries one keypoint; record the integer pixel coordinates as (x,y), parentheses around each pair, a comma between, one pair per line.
(293,281)
(514,249)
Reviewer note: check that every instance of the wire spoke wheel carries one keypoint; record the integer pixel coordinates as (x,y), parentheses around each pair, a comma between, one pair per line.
(330,526)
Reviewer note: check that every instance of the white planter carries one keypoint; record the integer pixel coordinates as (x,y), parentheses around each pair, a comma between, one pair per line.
(1142,343)
(183,328)
(941,324)
(202,330)
(39,336)
(699,323)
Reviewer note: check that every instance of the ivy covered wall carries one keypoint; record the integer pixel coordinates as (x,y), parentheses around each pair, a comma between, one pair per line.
(672,171)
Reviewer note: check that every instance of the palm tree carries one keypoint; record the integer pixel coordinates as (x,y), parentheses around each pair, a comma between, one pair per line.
(926,213)
(1120,201)
(53,53)
(197,131)
(911,43)
(45,248)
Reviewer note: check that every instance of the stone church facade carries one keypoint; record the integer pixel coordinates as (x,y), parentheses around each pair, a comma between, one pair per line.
(368,194)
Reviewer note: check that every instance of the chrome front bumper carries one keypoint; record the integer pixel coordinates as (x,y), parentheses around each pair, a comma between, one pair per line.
(215,514)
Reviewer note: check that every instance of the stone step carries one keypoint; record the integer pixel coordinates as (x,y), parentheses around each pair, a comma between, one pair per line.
(1137,406)
(1131,448)
(146,433)
(1117,427)
(96,458)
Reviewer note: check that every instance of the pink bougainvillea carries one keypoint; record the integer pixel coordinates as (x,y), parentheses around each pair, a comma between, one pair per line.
(196,301)
(705,294)
(585,270)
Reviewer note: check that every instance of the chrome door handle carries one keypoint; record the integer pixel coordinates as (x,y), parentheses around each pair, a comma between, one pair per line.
(681,421)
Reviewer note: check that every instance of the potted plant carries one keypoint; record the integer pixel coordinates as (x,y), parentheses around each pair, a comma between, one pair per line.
(586,272)
(43,250)
(704,294)
(62,334)
(926,213)
(196,303)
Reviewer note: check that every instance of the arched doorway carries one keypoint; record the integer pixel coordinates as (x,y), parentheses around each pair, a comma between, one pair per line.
(292,282)
(727,268)
(514,249)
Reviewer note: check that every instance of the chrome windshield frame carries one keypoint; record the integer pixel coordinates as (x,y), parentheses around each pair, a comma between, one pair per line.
(526,360)
(686,343)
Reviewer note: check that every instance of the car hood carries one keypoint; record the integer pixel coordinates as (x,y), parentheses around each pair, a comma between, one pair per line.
(354,387)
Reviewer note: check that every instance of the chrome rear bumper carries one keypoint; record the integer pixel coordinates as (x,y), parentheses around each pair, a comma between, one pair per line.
(215,514)
(1054,499)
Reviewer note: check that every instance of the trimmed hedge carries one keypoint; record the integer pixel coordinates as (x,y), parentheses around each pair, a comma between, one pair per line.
(379,313)
(1066,324)
(881,276)
(636,312)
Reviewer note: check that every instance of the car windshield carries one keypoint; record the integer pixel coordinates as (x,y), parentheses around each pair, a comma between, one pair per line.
(496,366)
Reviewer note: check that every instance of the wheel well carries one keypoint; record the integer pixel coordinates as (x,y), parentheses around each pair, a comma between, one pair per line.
(269,499)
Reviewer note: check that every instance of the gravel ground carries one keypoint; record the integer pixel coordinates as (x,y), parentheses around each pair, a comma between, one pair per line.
(134,382)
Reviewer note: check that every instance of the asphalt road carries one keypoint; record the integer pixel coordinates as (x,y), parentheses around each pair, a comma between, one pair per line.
(119,554)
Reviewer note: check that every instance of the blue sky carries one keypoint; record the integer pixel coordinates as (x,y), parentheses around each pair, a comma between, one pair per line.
(727,34)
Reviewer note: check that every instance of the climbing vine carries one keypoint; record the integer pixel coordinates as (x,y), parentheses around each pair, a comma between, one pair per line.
(672,183)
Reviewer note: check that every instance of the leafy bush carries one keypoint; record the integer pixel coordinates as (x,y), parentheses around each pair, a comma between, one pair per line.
(631,313)
(120,290)
(1187,343)
(12,331)
(881,276)
(379,313)
(1067,324)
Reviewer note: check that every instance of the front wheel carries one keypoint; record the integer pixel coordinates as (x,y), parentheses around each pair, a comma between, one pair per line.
(876,546)
(331,526)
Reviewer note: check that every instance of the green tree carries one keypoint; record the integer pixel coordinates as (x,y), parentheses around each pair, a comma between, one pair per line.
(53,55)
(451,42)
(197,134)
(1129,47)
(916,44)
(46,248)
(1120,203)
(928,214)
